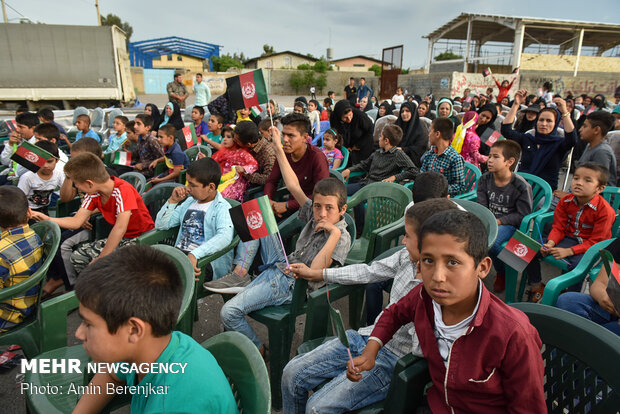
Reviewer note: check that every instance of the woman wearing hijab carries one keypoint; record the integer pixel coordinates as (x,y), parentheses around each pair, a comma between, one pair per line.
(544,151)
(486,125)
(528,121)
(415,140)
(356,129)
(153,110)
(384,109)
(172,116)
(445,110)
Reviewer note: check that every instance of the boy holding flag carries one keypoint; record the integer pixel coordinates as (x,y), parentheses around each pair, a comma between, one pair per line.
(324,241)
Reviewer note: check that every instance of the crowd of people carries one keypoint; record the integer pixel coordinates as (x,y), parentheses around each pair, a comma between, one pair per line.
(130,295)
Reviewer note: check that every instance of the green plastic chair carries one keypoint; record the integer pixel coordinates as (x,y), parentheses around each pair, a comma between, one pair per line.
(64,402)
(136,179)
(65,209)
(31,334)
(245,369)
(589,265)
(610,194)
(192,152)
(472,175)
(580,357)
(385,206)
(345,159)
(484,214)
(336,174)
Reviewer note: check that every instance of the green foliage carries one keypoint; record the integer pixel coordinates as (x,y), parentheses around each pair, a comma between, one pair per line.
(268,50)
(405,71)
(447,55)
(112,19)
(321,82)
(376,69)
(320,66)
(297,80)
(304,66)
(224,62)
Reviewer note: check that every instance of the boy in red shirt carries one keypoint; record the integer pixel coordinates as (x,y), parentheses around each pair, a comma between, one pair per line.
(483,355)
(117,200)
(581,219)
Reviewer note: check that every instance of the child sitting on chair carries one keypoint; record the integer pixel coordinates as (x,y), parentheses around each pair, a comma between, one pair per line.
(129,306)
(82,123)
(176,160)
(331,148)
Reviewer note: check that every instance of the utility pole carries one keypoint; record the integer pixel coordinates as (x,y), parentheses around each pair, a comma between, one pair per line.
(6,20)
(96,6)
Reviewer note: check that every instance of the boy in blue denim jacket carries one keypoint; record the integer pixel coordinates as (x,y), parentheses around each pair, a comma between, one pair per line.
(206,226)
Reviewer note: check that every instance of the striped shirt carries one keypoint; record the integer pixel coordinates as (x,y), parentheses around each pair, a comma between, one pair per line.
(398,267)
(21,255)
(383,164)
(450,163)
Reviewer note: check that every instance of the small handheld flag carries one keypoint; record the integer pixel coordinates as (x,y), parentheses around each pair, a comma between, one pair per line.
(122,158)
(495,136)
(487,72)
(30,156)
(11,125)
(254,219)
(519,251)
(189,132)
(613,285)
(256,110)
(246,90)
(338,327)
(516,70)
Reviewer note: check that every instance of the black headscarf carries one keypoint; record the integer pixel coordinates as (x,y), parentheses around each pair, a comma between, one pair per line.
(155,115)
(524,125)
(357,133)
(493,110)
(415,140)
(389,108)
(175,119)
(548,145)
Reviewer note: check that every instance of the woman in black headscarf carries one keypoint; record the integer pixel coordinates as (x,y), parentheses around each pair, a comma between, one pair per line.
(415,140)
(486,125)
(173,118)
(153,110)
(528,121)
(384,109)
(356,129)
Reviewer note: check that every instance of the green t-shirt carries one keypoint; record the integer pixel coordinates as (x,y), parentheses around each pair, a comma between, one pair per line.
(201,388)
(216,138)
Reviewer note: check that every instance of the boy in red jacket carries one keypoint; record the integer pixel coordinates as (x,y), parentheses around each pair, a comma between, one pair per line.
(483,355)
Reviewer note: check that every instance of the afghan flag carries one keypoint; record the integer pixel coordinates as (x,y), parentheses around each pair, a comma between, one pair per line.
(11,125)
(515,70)
(613,285)
(519,251)
(486,72)
(256,110)
(495,136)
(246,90)
(189,132)
(254,219)
(122,158)
(31,156)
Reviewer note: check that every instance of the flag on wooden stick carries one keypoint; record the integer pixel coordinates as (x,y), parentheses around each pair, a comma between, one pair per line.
(519,251)
(31,156)
(246,90)
(487,72)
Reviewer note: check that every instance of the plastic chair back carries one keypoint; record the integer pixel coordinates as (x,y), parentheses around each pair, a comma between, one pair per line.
(612,196)
(96,120)
(380,124)
(187,114)
(318,139)
(372,114)
(345,159)
(472,175)
(80,110)
(336,174)
(245,370)
(581,374)
(157,196)
(113,114)
(541,195)
(192,152)
(136,179)
(498,122)
(484,214)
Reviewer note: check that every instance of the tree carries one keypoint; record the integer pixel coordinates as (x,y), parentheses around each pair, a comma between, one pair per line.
(375,68)
(321,82)
(112,19)
(304,66)
(224,62)
(297,80)
(268,50)
(447,55)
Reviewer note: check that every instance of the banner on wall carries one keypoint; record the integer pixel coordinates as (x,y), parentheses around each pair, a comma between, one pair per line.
(478,83)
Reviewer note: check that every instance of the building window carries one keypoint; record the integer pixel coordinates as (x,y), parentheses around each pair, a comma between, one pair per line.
(157,58)
(169,57)
(359,65)
(269,64)
(179,58)
(287,61)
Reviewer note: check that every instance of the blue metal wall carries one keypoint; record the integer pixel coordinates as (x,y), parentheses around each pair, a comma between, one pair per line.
(155,80)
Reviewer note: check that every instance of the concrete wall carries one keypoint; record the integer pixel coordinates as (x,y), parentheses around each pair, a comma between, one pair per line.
(421,83)
(215,80)
(563,82)
(336,81)
(557,63)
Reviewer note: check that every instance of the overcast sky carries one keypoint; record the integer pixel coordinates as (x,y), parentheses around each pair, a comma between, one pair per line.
(357,27)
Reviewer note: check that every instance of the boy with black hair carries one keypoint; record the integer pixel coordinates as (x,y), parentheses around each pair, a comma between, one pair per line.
(507,195)
(129,306)
(305,372)
(443,158)
(46,116)
(118,201)
(580,220)
(350,92)
(39,186)
(430,184)
(49,132)
(314,116)
(307,161)
(323,242)
(82,123)
(198,114)
(214,136)
(594,131)
(247,135)
(206,226)
(24,125)
(119,136)
(21,255)
(149,148)
(176,160)
(483,355)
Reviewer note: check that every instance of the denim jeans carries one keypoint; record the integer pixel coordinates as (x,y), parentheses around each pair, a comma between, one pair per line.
(584,305)
(533,268)
(270,251)
(329,362)
(374,299)
(504,233)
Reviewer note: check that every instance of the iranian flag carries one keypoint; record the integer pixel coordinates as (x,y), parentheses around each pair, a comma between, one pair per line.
(487,72)
(613,285)
(254,219)
(246,90)
(256,110)
(189,132)
(519,251)
(122,158)
(31,156)
(495,136)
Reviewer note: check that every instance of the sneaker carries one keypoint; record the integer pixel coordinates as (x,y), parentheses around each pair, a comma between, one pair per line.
(535,295)
(500,283)
(229,283)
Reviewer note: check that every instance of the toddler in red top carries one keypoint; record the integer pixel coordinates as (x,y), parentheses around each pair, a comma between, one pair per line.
(483,355)
(581,219)
(117,200)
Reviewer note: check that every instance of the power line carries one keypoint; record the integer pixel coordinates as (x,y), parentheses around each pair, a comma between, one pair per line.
(12,8)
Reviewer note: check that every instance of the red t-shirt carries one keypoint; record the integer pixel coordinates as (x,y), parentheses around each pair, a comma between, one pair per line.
(123,198)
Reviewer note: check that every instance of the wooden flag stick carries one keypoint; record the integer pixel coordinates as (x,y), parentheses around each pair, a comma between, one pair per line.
(288,265)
